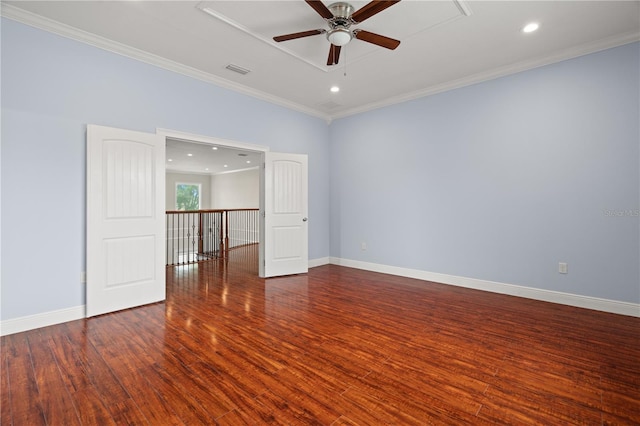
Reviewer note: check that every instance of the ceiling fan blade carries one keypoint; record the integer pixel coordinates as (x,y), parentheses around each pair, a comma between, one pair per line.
(299,35)
(334,55)
(319,7)
(370,9)
(376,39)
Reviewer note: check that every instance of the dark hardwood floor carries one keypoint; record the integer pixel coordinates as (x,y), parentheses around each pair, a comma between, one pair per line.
(337,346)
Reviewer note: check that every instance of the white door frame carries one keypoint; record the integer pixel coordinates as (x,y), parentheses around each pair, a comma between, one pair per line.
(190,137)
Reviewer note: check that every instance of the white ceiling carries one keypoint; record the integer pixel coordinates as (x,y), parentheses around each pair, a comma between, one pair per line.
(191,157)
(444,44)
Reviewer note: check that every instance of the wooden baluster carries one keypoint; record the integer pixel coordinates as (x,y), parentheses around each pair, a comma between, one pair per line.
(221,237)
(226,234)
(200,228)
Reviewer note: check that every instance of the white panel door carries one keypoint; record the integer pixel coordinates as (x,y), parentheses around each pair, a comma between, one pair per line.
(286,245)
(125,219)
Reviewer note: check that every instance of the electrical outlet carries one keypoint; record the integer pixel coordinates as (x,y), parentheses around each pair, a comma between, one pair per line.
(563,268)
(363,246)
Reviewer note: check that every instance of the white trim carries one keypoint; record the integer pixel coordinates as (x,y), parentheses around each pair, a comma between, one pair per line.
(319,262)
(463,7)
(186,172)
(605,305)
(179,171)
(235,171)
(45,319)
(20,15)
(495,73)
(28,18)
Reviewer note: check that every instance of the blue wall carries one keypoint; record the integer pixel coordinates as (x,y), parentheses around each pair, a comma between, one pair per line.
(52,87)
(502,180)
(497,181)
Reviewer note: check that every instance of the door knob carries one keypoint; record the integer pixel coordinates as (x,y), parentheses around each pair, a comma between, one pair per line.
(304,219)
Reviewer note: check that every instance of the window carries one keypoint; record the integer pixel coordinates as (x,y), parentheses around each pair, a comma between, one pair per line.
(187,196)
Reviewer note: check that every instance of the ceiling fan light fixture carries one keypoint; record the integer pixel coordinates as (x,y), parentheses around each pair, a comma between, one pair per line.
(339,36)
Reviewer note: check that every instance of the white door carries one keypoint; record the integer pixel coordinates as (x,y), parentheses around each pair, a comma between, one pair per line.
(286,245)
(125,219)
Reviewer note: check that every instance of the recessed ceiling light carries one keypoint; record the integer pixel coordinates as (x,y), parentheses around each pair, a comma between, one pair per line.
(189,155)
(248,161)
(207,168)
(214,148)
(334,89)
(226,165)
(531,27)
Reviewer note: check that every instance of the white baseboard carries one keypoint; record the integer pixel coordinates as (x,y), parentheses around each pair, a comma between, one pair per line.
(44,319)
(319,262)
(605,305)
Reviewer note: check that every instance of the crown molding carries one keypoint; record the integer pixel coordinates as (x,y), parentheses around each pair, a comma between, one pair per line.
(20,15)
(235,171)
(574,52)
(37,21)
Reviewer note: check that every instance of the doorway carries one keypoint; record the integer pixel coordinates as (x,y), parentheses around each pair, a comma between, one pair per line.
(126,204)
(211,163)
(283,203)
(212,201)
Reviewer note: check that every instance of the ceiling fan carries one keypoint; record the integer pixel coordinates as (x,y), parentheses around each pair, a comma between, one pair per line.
(340,17)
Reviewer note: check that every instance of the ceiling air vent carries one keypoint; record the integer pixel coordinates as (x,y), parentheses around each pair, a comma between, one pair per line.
(238,69)
(330,105)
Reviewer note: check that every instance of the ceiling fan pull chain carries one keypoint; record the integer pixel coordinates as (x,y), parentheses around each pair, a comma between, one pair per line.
(345,62)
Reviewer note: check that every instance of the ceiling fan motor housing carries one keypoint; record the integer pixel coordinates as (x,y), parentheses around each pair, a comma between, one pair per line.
(341,11)
(339,34)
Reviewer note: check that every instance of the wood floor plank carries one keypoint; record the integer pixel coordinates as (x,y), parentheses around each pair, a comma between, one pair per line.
(286,410)
(96,377)
(153,397)
(24,399)
(92,409)
(620,401)
(6,415)
(58,404)
(365,408)
(335,346)
(188,410)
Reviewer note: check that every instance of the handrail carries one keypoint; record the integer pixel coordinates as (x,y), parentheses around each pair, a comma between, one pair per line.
(197,235)
(209,211)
